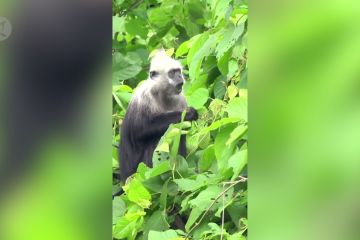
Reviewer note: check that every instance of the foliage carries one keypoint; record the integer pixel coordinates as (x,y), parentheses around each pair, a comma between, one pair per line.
(205,195)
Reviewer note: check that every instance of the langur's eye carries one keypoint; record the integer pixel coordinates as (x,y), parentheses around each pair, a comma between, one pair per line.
(154,74)
(173,72)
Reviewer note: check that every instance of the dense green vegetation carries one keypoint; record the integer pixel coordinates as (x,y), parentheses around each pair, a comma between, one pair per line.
(207,191)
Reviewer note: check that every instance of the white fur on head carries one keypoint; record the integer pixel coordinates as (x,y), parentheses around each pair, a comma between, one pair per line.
(161,62)
(143,96)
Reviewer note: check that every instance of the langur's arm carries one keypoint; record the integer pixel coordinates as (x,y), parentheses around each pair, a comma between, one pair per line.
(158,124)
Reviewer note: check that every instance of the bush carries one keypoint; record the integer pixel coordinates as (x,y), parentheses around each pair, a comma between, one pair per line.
(205,195)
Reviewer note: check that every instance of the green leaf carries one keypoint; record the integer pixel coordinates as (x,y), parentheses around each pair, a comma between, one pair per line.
(190,185)
(230,36)
(198,98)
(237,107)
(158,170)
(170,52)
(220,10)
(186,46)
(236,211)
(233,68)
(232,91)
(182,49)
(204,51)
(125,66)
(185,202)
(119,208)
(160,17)
(236,236)
(192,86)
(156,222)
(118,24)
(220,123)
(122,88)
(164,194)
(136,27)
(237,162)
(223,63)
(223,152)
(124,97)
(137,193)
(205,198)
(167,235)
(216,106)
(204,140)
(198,43)
(227,201)
(220,87)
(128,225)
(192,143)
(207,158)
(194,215)
(237,133)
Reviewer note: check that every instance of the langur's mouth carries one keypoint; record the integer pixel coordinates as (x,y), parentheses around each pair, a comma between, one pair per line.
(178,88)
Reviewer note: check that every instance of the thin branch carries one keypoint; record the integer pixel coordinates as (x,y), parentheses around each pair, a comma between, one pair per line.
(223,215)
(242,179)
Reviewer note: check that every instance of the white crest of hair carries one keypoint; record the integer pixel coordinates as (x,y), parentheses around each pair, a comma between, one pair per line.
(152,95)
(162,62)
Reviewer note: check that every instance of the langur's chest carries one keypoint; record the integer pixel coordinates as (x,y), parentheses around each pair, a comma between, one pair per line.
(172,104)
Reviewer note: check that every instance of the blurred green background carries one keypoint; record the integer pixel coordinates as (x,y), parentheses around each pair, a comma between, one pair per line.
(304,87)
(304,114)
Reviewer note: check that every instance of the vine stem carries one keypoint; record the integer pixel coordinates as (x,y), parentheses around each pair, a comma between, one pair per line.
(242,179)
(223,214)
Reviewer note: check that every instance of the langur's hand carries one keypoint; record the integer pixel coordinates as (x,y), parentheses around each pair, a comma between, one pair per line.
(191,114)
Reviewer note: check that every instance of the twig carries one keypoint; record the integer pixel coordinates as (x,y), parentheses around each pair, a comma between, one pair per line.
(242,179)
(223,215)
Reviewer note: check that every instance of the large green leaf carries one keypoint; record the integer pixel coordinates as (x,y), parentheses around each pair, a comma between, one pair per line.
(197,44)
(222,151)
(230,36)
(220,123)
(136,26)
(137,193)
(198,98)
(159,169)
(167,235)
(205,198)
(128,225)
(119,208)
(238,132)
(194,215)
(207,159)
(220,87)
(204,51)
(125,66)
(237,108)
(221,7)
(186,185)
(156,222)
(118,24)
(237,162)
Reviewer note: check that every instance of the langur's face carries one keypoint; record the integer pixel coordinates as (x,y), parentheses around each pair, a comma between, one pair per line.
(172,79)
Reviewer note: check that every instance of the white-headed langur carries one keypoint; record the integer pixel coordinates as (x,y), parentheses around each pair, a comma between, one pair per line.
(156,103)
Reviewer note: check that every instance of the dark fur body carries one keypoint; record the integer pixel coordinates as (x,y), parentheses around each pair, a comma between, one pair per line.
(148,117)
